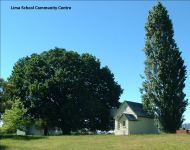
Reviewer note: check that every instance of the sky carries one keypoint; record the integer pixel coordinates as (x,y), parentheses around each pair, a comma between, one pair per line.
(113,31)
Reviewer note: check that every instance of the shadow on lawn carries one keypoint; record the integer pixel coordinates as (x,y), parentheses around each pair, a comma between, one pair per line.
(18,137)
(2,147)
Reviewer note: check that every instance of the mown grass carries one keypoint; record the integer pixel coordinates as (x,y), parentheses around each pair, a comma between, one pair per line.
(97,142)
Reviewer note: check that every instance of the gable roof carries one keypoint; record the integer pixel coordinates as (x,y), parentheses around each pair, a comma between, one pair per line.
(131,117)
(138,109)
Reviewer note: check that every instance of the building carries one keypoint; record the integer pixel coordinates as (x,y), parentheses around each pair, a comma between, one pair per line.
(130,118)
(34,130)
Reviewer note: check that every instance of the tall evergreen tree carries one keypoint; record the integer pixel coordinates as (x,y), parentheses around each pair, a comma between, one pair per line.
(165,72)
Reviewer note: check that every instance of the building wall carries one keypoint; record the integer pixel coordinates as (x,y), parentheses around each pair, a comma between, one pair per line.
(142,126)
(55,131)
(1,123)
(128,110)
(20,132)
(35,131)
(32,131)
(124,109)
(120,128)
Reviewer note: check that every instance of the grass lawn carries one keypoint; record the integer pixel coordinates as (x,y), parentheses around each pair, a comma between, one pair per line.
(97,142)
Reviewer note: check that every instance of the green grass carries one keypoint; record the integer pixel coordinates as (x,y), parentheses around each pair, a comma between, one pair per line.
(97,142)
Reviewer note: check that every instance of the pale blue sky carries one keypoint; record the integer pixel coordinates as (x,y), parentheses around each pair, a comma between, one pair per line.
(113,31)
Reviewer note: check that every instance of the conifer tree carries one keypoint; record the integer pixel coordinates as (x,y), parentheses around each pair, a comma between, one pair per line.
(165,72)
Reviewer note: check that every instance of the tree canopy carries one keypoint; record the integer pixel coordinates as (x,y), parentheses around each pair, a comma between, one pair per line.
(4,100)
(2,89)
(165,72)
(66,89)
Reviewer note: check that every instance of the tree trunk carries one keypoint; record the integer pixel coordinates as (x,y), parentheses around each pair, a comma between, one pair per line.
(66,130)
(46,131)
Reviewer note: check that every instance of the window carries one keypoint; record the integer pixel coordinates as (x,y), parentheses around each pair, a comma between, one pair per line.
(123,123)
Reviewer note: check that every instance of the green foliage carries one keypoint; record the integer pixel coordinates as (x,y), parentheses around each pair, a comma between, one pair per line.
(5,103)
(165,72)
(2,104)
(14,118)
(65,89)
(39,123)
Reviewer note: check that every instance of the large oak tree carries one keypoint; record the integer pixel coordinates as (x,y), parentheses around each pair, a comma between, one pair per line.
(66,90)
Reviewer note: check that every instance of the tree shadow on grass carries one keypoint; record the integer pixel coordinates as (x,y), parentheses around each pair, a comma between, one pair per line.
(3,147)
(19,137)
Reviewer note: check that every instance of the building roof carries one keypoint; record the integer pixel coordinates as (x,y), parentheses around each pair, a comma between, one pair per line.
(138,109)
(131,117)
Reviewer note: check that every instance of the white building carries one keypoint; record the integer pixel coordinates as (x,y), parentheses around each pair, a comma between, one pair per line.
(33,130)
(1,123)
(130,118)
